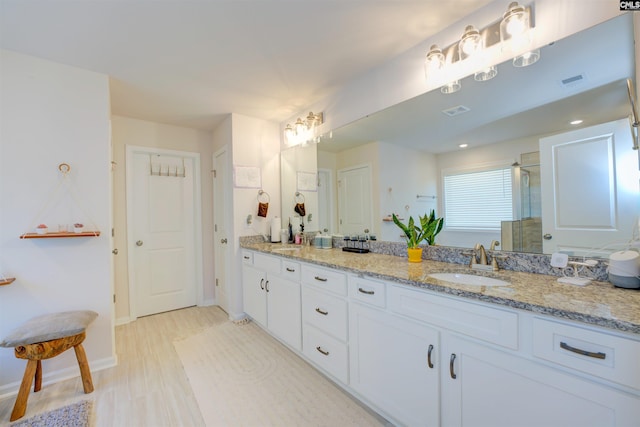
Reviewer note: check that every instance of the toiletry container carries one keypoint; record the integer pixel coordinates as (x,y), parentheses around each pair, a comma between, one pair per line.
(326,242)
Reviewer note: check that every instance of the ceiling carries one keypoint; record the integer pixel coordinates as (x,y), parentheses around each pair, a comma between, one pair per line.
(190,63)
(517,103)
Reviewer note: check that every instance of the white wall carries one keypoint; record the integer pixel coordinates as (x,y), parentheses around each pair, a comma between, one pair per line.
(405,173)
(50,114)
(255,143)
(128,131)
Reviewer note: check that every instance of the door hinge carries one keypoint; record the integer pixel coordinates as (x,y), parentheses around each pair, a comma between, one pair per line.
(215,174)
(216,281)
(215,228)
(113,232)
(114,298)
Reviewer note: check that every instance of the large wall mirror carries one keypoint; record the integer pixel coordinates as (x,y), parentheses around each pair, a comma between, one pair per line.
(395,161)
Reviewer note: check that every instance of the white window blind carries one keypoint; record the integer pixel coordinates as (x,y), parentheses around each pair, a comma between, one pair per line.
(478,200)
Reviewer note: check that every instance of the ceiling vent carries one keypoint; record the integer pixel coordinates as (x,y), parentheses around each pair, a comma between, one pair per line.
(456,111)
(573,80)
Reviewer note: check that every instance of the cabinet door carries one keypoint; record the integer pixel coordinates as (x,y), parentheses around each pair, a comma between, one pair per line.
(393,363)
(494,388)
(283,310)
(254,294)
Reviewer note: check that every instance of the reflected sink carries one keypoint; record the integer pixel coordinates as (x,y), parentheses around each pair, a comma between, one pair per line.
(469,279)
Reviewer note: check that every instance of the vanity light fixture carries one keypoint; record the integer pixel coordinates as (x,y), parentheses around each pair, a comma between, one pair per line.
(303,131)
(575,122)
(513,31)
(463,145)
(515,35)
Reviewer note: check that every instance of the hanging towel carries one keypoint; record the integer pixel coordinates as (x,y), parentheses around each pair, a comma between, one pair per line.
(262,209)
(300,209)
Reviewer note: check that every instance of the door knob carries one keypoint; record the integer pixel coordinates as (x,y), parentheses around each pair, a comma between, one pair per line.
(547,236)
(139,243)
(223,241)
(115,251)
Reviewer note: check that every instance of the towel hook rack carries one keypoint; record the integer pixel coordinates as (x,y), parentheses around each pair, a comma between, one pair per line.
(299,197)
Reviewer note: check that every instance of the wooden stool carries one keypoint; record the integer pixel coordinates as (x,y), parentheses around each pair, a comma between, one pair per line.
(44,337)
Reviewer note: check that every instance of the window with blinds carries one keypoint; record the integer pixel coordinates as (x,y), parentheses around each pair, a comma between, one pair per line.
(478,200)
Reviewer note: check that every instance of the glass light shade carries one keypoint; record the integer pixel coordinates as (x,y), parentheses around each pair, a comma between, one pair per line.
(299,126)
(434,63)
(470,43)
(451,87)
(486,74)
(289,135)
(515,27)
(527,58)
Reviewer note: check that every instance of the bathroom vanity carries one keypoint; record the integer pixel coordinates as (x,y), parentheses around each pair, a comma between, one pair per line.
(422,351)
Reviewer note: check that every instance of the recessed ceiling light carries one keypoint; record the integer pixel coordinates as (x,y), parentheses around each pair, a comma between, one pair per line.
(463,145)
(575,122)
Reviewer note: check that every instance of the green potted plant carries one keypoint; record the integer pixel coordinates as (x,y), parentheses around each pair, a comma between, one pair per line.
(429,227)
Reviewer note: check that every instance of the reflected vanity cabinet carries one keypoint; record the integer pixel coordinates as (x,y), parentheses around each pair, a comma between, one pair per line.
(271,295)
(422,358)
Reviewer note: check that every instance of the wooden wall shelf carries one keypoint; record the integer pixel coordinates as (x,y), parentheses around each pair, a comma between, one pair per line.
(59,235)
(7,281)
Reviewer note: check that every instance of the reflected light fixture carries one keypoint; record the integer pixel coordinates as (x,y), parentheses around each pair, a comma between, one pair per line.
(515,35)
(575,122)
(303,131)
(513,31)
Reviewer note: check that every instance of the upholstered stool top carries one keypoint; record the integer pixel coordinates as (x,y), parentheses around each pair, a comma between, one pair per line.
(49,327)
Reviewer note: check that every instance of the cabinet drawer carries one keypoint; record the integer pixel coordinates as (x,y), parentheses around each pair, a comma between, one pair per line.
(367,291)
(327,279)
(267,263)
(489,324)
(291,270)
(247,257)
(595,353)
(325,311)
(326,352)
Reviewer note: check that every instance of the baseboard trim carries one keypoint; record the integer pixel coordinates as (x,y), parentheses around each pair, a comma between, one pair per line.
(208,302)
(11,389)
(123,320)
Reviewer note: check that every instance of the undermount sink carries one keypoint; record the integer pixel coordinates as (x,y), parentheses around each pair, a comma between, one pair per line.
(469,279)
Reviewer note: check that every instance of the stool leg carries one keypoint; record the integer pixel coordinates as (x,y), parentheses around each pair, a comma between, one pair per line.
(38,384)
(20,407)
(85,373)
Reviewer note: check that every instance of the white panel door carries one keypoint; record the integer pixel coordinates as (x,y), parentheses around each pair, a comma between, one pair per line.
(590,188)
(220,240)
(354,200)
(163,231)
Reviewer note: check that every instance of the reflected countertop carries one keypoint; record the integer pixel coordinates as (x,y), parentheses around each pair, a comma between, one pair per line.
(599,303)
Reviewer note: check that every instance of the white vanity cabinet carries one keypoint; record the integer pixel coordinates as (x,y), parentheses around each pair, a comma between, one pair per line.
(424,358)
(324,316)
(484,386)
(394,365)
(270,299)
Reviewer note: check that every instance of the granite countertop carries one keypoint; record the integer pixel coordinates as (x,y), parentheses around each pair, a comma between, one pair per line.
(599,303)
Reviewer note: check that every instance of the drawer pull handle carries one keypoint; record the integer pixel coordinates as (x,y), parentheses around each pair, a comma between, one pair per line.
(326,353)
(598,355)
(291,270)
(320,279)
(262,284)
(266,286)
(429,363)
(324,313)
(451,371)
(247,257)
(362,291)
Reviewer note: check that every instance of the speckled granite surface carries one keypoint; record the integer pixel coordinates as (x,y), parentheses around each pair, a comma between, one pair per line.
(598,303)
